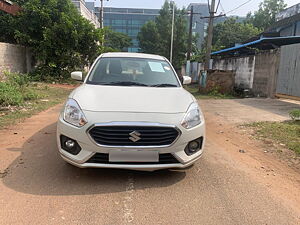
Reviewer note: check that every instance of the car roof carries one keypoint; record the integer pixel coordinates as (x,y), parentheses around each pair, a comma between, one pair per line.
(132,55)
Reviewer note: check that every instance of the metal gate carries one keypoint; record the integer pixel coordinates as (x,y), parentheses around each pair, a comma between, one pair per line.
(288,82)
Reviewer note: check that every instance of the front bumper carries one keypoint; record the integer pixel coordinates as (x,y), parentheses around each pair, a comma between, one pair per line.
(89,148)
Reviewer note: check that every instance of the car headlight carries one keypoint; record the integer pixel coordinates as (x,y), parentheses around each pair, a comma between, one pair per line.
(73,114)
(192,117)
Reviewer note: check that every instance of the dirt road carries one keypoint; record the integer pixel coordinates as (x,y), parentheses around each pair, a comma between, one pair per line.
(224,187)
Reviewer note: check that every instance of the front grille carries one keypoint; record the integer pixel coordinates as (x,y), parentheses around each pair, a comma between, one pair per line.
(102,158)
(142,136)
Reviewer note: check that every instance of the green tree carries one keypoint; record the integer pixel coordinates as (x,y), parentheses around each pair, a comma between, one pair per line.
(61,39)
(149,38)
(155,36)
(116,41)
(230,32)
(265,16)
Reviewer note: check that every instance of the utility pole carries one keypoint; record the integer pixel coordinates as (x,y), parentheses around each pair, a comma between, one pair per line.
(188,56)
(101,14)
(172,33)
(209,34)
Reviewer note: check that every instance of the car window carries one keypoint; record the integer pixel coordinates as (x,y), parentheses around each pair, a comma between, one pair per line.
(133,72)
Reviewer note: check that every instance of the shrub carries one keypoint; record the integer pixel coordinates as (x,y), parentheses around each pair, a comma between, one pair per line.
(295,114)
(15,89)
(30,94)
(10,95)
(17,79)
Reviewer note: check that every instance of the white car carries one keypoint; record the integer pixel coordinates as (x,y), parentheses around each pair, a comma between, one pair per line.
(131,112)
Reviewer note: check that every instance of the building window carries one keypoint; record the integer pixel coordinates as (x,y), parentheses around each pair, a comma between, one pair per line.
(133,32)
(121,30)
(118,22)
(136,22)
(194,25)
(133,49)
(135,42)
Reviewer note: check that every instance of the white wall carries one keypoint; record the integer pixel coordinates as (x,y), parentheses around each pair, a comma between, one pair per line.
(244,67)
(86,13)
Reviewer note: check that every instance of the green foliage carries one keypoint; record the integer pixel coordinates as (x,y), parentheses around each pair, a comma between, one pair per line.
(149,38)
(116,41)
(14,90)
(16,79)
(30,95)
(287,133)
(155,36)
(10,95)
(7,27)
(265,16)
(295,114)
(59,37)
(212,94)
(230,32)
(33,104)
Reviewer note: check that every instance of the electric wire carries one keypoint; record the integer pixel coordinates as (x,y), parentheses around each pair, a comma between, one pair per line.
(230,11)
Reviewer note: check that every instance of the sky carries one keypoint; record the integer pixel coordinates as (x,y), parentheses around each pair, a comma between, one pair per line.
(227,4)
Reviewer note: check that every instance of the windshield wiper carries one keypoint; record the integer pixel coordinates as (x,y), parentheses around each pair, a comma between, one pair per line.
(125,83)
(164,85)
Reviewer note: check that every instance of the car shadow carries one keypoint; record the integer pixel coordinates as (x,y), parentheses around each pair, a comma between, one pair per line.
(39,170)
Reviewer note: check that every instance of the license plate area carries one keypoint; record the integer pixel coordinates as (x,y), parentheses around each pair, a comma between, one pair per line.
(133,156)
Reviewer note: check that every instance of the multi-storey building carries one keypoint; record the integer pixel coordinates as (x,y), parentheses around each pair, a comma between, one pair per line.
(128,21)
(81,6)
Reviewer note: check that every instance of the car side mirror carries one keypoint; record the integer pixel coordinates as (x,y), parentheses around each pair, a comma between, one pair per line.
(77,75)
(186,80)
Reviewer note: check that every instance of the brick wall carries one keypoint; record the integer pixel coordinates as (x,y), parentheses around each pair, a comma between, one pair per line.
(15,58)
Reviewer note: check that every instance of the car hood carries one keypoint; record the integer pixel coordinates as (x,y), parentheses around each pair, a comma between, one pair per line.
(132,99)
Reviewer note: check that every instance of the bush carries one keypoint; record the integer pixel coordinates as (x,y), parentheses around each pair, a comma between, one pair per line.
(30,94)
(295,114)
(10,95)
(14,90)
(18,79)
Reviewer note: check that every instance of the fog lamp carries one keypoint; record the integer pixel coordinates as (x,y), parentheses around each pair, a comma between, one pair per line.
(194,146)
(70,143)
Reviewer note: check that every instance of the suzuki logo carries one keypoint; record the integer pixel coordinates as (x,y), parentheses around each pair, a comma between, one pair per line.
(135,136)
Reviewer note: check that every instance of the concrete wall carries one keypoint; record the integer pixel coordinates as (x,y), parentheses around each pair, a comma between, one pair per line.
(265,73)
(243,67)
(255,72)
(15,58)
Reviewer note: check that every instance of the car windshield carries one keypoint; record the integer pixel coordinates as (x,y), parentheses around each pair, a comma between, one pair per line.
(133,72)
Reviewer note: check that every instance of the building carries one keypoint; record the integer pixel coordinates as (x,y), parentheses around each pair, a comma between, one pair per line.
(287,22)
(199,25)
(9,7)
(81,6)
(128,21)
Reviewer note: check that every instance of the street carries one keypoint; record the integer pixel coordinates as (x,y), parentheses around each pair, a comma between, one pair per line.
(224,187)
